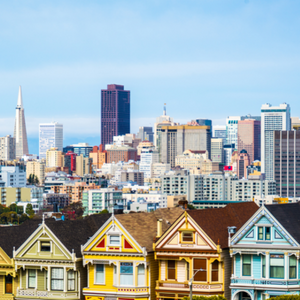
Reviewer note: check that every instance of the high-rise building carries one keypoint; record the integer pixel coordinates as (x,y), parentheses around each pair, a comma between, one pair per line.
(115,112)
(98,156)
(145,133)
(50,136)
(272,118)
(295,123)
(249,138)
(82,148)
(20,134)
(242,162)
(148,158)
(7,148)
(219,131)
(232,130)
(54,158)
(228,150)
(176,139)
(287,163)
(217,152)
(36,168)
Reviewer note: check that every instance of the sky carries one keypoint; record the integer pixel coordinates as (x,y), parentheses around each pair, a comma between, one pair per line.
(205,59)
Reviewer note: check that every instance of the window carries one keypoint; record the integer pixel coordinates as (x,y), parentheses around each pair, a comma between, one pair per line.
(71,280)
(126,274)
(171,269)
(293,267)
(114,240)
(263,266)
(277,266)
(187,237)
(115,275)
(246,264)
(215,271)
(31,279)
(99,269)
(141,275)
(264,233)
(8,284)
(200,268)
(45,246)
(57,279)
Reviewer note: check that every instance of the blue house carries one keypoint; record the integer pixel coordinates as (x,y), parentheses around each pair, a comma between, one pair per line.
(265,254)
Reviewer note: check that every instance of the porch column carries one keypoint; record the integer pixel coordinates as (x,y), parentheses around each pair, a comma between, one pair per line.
(49,275)
(286,266)
(65,279)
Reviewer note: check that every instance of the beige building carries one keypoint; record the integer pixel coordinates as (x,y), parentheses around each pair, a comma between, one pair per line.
(36,168)
(217,151)
(54,158)
(133,175)
(191,159)
(7,148)
(145,145)
(176,139)
(209,167)
(83,165)
(173,201)
(159,169)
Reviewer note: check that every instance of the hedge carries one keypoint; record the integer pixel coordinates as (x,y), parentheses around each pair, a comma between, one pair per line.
(286,297)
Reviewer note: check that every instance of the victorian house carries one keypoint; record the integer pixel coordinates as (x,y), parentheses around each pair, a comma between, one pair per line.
(119,257)
(195,250)
(265,252)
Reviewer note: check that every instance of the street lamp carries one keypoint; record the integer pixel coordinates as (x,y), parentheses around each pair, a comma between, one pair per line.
(191,284)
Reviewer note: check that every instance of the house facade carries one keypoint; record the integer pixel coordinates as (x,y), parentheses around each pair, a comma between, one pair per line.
(195,250)
(265,254)
(119,257)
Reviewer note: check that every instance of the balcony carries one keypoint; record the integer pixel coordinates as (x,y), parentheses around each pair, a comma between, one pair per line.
(253,282)
(200,287)
(28,293)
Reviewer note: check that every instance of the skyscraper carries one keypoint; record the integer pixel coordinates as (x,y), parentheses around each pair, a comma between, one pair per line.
(115,112)
(231,130)
(50,136)
(249,138)
(272,118)
(20,134)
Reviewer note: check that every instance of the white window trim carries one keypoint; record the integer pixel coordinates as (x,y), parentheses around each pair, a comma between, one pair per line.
(27,279)
(114,234)
(241,262)
(95,272)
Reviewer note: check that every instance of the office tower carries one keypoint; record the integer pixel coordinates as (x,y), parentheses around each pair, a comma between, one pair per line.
(20,134)
(295,123)
(70,161)
(145,133)
(232,130)
(205,122)
(287,163)
(54,158)
(82,148)
(115,112)
(148,158)
(7,148)
(249,138)
(98,156)
(249,117)
(219,131)
(272,118)
(50,136)
(243,161)
(228,150)
(83,165)
(217,152)
(176,139)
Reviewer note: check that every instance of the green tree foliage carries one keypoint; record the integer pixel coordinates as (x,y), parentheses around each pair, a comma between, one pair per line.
(104,211)
(190,206)
(218,297)
(74,210)
(13,214)
(29,210)
(33,179)
(286,297)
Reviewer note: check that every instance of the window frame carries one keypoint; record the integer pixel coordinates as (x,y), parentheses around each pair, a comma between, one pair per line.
(263,266)
(141,276)
(71,280)
(29,276)
(110,241)
(199,273)
(283,259)
(95,274)
(293,256)
(133,279)
(215,270)
(5,283)
(242,261)
(189,233)
(57,279)
(41,246)
(264,233)
(171,268)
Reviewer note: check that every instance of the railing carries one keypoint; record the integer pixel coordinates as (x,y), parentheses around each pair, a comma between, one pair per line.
(265,282)
(46,294)
(196,286)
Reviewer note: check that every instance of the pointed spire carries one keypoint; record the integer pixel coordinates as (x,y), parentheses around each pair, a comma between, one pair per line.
(165,110)
(20,102)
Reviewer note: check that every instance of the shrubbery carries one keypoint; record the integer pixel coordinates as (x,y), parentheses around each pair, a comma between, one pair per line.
(219,297)
(286,297)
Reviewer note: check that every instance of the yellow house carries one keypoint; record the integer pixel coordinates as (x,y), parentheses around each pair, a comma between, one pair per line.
(120,257)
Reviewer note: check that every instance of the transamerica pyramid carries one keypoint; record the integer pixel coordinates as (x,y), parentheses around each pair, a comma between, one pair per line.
(20,134)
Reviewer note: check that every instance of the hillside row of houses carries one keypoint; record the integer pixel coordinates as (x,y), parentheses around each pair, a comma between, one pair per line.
(240,251)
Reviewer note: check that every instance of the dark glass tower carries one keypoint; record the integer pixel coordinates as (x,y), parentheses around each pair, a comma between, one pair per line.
(115,112)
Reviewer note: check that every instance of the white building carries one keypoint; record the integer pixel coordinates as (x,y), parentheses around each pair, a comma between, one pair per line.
(13,176)
(217,152)
(274,199)
(50,136)
(111,168)
(148,158)
(232,130)
(219,131)
(191,159)
(34,202)
(159,169)
(272,118)
(7,148)
(228,150)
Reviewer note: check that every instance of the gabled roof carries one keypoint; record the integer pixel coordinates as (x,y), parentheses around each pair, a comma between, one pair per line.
(215,221)
(71,233)
(143,226)
(288,215)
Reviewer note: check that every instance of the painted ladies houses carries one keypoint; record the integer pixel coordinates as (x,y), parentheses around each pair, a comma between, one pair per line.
(265,252)
(195,248)
(49,261)
(120,258)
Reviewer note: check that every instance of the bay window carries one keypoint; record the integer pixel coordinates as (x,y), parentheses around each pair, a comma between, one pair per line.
(99,276)
(246,268)
(57,279)
(141,275)
(126,274)
(292,267)
(277,266)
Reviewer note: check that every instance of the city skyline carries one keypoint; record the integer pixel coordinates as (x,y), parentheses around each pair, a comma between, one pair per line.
(193,53)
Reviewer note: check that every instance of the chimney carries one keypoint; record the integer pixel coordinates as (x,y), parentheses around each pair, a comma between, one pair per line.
(159,228)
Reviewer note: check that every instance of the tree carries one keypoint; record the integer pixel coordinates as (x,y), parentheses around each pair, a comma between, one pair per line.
(74,210)
(190,206)
(104,211)
(33,179)
(29,210)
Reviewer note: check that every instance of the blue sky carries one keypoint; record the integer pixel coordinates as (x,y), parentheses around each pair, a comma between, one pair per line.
(205,59)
